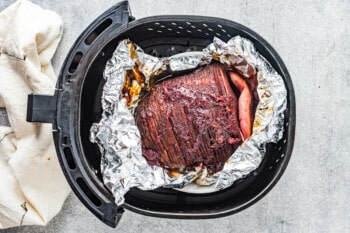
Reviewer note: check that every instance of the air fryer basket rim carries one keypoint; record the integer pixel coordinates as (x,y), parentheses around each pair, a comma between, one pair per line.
(291,98)
(285,162)
(66,109)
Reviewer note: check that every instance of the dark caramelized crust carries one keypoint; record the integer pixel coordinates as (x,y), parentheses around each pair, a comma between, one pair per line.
(190,120)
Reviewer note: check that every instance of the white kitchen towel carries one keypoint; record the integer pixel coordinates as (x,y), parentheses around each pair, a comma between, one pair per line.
(32,185)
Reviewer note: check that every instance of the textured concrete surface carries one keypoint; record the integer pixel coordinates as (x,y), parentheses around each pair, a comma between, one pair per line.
(313,39)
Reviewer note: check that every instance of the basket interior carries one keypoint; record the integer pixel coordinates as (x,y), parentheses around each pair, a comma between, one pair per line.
(164,36)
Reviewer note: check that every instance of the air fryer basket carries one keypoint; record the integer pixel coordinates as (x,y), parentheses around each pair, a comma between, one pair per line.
(76,105)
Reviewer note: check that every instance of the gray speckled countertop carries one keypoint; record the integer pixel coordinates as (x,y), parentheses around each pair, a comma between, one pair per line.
(312,37)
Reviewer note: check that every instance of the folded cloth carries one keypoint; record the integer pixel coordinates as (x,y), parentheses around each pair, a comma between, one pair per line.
(32,185)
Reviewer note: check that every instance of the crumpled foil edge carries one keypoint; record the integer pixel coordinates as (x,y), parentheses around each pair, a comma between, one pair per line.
(119,140)
(269,117)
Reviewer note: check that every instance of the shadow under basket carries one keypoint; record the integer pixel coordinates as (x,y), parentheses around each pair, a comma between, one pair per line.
(76,105)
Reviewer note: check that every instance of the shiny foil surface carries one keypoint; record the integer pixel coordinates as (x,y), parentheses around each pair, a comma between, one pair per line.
(118,137)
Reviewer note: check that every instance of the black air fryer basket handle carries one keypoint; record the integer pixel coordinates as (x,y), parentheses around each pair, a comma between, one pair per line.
(58,110)
(41,108)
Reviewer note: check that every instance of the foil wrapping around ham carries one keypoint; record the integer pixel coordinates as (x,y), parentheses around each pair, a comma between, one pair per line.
(131,74)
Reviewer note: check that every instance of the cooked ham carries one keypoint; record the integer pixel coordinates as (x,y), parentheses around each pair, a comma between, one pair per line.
(190,120)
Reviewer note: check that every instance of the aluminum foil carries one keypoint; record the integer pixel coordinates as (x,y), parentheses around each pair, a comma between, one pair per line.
(118,137)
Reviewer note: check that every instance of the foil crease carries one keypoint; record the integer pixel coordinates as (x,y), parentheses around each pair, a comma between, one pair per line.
(119,140)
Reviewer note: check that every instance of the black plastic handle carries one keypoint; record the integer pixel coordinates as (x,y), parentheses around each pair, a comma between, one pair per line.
(61,111)
(41,108)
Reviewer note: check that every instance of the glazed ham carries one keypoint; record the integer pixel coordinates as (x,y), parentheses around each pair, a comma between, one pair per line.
(190,120)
